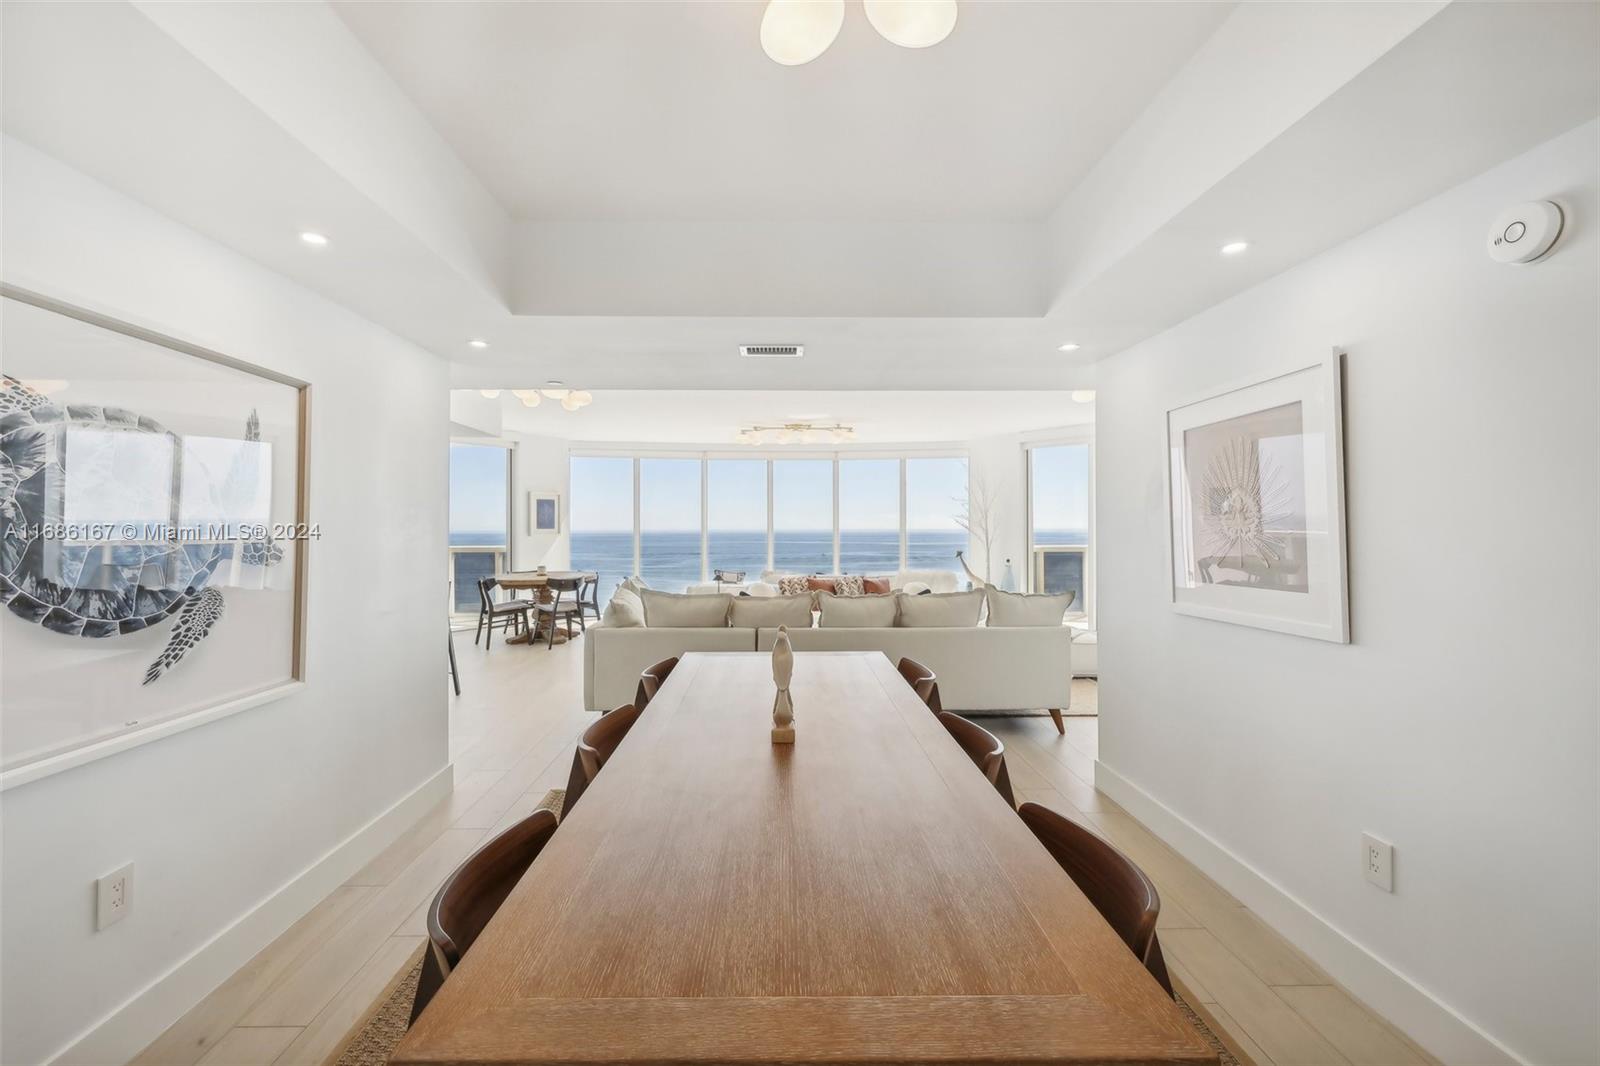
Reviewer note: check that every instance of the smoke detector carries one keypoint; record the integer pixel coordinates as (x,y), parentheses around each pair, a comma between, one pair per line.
(772,351)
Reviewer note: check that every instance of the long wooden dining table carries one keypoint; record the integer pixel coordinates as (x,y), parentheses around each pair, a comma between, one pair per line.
(863,895)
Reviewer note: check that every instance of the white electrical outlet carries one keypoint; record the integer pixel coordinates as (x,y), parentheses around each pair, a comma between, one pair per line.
(1377,861)
(113,897)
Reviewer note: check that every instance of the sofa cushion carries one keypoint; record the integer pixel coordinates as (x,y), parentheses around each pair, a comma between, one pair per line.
(856,612)
(669,610)
(793,584)
(1008,609)
(755,612)
(947,609)
(625,611)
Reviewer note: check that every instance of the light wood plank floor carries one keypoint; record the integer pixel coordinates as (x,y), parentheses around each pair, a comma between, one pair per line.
(512,733)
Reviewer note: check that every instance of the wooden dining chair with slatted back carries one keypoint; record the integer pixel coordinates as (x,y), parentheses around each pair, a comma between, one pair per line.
(984,749)
(470,896)
(651,680)
(923,681)
(1119,890)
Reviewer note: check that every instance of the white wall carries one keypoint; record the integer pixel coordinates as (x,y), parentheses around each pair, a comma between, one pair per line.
(1460,724)
(219,818)
(539,464)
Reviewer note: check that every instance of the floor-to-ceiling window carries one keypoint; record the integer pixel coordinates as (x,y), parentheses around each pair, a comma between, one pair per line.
(869,516)
(936,491)
(480,478)
(600,515)
(802,515)
(736,516)
(669,523)
(1059,481)
(677,519)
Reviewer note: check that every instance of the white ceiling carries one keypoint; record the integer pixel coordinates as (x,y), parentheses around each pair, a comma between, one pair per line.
(713,417)
(672,111)
(1053,172)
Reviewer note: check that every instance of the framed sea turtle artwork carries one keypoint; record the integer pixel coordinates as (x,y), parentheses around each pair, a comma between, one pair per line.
(153,535)
(1255,490)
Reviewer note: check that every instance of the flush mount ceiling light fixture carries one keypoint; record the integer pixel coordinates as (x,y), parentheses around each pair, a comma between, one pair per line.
(316,240)
(1069,347)
(1083,396)
(797,433)
(476,343)
(489,394)
(794,32)
(1234,247)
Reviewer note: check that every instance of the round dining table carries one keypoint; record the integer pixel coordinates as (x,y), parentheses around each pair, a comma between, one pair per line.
(540,584)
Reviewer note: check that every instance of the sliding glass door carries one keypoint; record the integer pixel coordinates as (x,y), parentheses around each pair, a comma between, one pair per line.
(1059,488)
(669,523)
(480,494)
(601,518)
(736,516)
(802,516)
(869,516)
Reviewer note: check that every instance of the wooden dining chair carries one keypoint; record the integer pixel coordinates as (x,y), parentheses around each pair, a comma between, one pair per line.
(589,597)
(470,896)
(511,615)
(1119,890)
(923,681)
(984,749)
(651,680)
(600,740)
(556,610)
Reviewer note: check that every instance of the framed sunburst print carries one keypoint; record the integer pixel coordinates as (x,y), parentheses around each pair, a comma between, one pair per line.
(1255,490)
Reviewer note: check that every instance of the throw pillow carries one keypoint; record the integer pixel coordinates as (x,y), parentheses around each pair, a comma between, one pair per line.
(793,585)
(760,588)
(856,612)
(876,586)
(625,611)
(822,584)
(849,585)
(1014,609)
(945,610)
(769,612)
(669,610)
(916,588)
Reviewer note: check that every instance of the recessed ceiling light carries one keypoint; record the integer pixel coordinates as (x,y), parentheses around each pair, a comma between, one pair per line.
(314,239)
(1068,347)
(476,343)
(1083,395)
(1234,247)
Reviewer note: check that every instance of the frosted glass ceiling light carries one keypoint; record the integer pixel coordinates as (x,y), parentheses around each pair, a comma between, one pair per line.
(912,23)
(489,394)
(797,31)
(554,390)
(529,397)
(581,397)
(1083,396)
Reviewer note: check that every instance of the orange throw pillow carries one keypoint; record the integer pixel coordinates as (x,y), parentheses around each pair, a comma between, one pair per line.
(822,584)
(876,586)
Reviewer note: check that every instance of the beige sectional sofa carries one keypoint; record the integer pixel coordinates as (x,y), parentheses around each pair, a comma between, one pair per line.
(1025,669)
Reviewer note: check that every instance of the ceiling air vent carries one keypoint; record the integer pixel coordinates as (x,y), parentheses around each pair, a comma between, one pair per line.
(772,351)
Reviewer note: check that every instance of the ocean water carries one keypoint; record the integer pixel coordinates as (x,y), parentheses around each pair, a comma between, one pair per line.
(671,560)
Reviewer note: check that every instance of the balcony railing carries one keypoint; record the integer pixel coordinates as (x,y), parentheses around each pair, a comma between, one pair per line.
(1060,568)
(469,563)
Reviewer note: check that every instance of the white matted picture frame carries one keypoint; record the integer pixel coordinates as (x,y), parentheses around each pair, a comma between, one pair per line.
(155,531)
(544,512)
(1255,501)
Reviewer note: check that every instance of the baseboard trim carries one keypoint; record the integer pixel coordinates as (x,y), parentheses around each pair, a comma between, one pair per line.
(1415,1011)
(129,1029)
